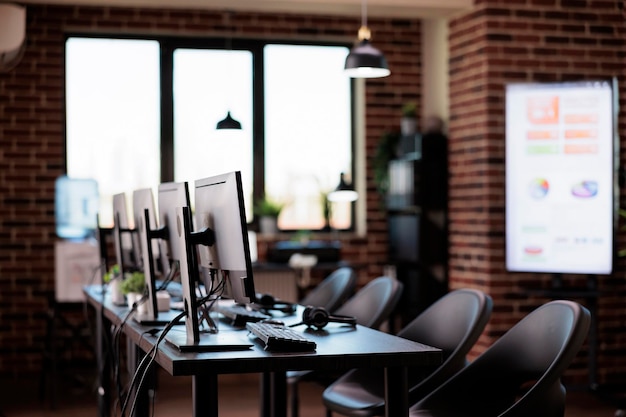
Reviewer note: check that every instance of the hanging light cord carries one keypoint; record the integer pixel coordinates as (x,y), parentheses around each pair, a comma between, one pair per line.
(364,31)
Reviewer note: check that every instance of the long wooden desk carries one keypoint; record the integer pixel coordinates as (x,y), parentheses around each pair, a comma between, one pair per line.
(339,347)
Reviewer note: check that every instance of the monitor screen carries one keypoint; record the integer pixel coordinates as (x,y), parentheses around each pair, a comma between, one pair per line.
(219,206)
(170,196)
(144,213)
(561,176)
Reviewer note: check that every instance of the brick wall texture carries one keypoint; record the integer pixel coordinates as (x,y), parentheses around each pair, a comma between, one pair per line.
(493,43)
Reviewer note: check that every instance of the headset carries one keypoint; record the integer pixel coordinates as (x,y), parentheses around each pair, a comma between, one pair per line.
(319,317)
(268,302)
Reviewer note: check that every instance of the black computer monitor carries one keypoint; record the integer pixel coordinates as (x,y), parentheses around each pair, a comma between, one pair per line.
(219,245)
(170,196)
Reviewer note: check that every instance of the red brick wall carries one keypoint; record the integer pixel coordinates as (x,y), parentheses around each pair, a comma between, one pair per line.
(496,42)
(32,141)
(504,41)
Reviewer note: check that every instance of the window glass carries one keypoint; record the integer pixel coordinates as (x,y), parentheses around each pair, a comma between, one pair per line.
(308,131)
(207,85)
(113,115)
(114,122)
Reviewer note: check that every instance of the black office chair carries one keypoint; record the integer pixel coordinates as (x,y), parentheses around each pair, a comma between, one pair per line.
(371,306)
(520,374)
(453,323)
(333,290)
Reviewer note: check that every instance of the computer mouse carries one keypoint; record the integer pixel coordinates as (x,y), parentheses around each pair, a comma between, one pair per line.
(274,321)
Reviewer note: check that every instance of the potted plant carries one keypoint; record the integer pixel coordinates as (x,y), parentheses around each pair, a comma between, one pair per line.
(268,211)
(133,287)
(113,280)
(408,123)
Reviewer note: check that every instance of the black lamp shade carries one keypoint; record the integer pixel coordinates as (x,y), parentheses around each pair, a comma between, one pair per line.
(228,123)
(343,192)
(365,61)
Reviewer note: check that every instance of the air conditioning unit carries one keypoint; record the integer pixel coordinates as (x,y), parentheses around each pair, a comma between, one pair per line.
(12,35)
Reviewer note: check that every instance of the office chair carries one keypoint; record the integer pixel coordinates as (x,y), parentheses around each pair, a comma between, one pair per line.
(453,323)
(520,374)
(371,306)
(333,290)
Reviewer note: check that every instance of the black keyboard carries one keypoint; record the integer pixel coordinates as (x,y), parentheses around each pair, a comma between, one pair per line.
(279,338)
(239,315)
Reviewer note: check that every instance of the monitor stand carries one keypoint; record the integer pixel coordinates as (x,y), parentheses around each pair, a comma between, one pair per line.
(163,318)
(223,340)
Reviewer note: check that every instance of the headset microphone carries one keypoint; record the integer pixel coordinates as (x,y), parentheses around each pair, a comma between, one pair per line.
(319,317)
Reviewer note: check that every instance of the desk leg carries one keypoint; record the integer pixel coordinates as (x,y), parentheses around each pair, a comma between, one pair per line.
(104,369)
(266,394)
(204,391)
(279,397)
(274,394)
(396,392)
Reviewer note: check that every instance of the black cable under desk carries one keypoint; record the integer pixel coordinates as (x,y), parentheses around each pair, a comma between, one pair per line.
(338,347)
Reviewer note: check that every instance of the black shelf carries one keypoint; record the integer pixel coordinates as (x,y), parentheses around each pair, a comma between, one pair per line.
(417,218)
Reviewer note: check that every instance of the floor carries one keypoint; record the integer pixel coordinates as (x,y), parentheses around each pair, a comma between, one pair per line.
(238,398)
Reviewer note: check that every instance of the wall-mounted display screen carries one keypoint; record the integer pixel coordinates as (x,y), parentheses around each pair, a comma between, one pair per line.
(561,183)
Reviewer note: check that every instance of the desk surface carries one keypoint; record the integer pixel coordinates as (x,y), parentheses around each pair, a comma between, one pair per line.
(338,347)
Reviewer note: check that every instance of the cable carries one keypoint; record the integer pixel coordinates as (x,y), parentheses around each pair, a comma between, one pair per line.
(151,354)
(116,347)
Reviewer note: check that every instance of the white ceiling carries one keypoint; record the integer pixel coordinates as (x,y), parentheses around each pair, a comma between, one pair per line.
(381,8)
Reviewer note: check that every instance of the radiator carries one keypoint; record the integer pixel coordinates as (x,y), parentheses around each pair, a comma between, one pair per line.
(280,283)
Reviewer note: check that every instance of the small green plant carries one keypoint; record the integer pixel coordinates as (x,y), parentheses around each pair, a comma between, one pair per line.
(267,207)
(134,282)
(113,272)
(409,110)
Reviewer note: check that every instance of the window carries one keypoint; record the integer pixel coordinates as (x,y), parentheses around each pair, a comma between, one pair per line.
(112,115)
(140,112)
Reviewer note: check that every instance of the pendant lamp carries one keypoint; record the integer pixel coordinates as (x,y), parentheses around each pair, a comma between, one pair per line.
(343,192)
(365,61)
(228,122)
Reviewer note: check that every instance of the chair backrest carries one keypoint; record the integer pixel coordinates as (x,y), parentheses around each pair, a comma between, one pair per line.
(372,304)
(453,324)
(520,374)
(333,290)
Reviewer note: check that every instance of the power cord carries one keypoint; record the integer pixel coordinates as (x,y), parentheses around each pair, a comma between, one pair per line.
(150,357)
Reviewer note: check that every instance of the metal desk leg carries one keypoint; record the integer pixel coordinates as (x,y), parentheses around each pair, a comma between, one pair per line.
(396,392)
(204,392)
(274,394)
(104,369)
(266,394)
(279,396)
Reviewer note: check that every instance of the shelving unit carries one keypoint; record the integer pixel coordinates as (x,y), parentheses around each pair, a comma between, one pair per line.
(417,203)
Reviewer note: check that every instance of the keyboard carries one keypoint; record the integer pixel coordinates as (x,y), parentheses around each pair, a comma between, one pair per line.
(279,338)
(239,315)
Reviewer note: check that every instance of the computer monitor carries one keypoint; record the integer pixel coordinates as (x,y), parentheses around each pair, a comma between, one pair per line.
(219,206)
(144,213)
(170,196)
(122,234)
(219,246)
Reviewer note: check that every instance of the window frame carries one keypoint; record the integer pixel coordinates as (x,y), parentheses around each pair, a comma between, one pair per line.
(168,44)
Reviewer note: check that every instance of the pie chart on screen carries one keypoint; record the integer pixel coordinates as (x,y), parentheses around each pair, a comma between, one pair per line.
(585,189)
(539,188)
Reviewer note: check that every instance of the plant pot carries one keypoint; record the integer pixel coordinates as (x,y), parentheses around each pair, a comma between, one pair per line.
(132,298)
(408,126)
(115,291)
(268,225)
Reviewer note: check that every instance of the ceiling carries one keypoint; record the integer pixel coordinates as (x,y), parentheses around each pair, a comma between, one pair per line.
(379,8)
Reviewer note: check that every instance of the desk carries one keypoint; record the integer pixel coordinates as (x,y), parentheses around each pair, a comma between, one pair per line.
(338,347)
